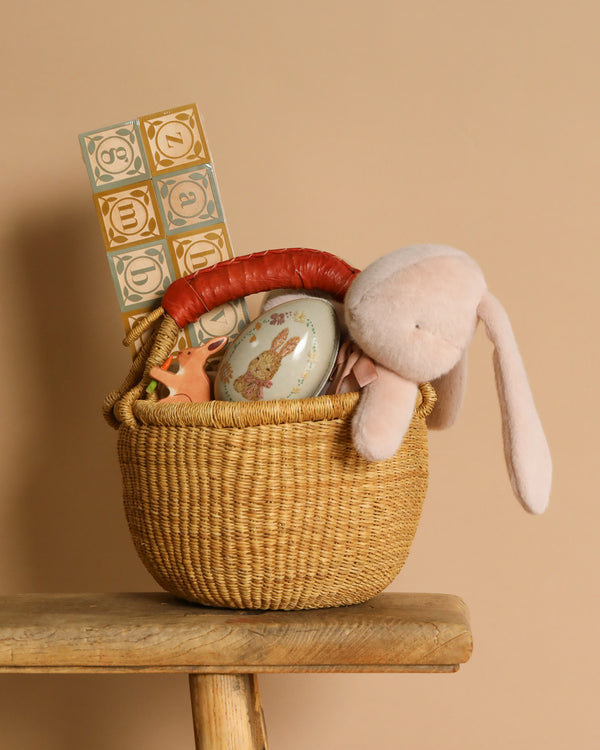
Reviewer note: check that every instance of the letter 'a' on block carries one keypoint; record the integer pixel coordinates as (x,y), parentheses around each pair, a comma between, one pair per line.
(189,199)
(174,139)
(114,156)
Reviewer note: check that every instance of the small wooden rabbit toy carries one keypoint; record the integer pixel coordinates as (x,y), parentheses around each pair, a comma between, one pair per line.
(190,382)
(263,367)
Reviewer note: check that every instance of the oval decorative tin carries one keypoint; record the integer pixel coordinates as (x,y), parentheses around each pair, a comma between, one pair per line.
(289,351)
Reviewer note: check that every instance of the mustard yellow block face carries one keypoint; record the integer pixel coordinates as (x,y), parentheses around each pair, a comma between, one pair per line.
(193,251)
(174,139)
(129,216)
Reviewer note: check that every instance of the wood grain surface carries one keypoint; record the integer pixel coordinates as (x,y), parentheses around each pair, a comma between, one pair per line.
(227,712)
(155,632)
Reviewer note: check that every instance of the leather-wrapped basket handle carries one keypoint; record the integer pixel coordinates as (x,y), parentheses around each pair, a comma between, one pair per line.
(299,268)
(188,298)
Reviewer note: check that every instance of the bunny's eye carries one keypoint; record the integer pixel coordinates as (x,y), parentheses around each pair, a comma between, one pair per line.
(417,325)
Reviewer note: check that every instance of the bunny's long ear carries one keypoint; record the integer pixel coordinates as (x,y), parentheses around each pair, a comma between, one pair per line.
(450,392)
(525,447)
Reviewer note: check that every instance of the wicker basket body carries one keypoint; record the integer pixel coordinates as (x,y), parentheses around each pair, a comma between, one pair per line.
(262,505)
(268,506)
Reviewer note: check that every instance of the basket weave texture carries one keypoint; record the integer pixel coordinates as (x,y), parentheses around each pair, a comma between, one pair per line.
(266,505)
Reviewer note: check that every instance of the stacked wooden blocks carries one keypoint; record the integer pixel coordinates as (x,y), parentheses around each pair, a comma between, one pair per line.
(160,213)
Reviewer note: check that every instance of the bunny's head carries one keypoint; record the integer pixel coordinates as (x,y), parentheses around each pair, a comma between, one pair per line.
(415,312)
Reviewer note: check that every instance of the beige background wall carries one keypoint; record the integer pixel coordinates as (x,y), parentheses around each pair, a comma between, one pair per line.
(355,128)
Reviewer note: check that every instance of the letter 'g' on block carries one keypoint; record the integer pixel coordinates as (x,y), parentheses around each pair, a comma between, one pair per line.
(114,156)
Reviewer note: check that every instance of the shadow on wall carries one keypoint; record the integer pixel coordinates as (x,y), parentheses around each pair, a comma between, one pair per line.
(73,534)
(67,523)
(95,712)
(70,528)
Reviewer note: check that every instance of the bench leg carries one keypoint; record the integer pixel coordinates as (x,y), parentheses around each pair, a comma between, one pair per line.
(227,712)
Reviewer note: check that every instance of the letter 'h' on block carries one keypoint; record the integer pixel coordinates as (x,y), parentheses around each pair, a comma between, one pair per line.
(160,213)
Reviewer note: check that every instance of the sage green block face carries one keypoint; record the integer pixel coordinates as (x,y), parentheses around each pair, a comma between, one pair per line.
(141,274)
(188,199)
(114,156)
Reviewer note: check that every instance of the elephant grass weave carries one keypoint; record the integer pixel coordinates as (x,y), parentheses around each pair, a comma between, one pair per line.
(263,505)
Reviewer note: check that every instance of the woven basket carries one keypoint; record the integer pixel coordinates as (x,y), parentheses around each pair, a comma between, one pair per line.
(262,505)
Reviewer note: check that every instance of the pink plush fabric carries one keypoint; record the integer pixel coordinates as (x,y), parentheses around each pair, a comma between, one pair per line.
(383,415)
(418,320)
(450,390)
(525,446)
(414,313)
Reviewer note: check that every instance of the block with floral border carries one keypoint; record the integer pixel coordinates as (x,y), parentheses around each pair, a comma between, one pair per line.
(174,139)
(129,216)
(226,320)
(114,156)
(193,251)
(141,274)
(189,199)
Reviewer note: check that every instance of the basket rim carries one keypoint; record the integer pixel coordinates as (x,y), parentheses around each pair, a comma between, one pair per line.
(251,414)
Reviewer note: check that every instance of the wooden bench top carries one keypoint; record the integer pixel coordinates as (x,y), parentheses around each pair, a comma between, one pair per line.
(155,632)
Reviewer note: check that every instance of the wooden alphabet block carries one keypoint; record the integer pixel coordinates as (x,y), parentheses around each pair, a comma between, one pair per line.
(189,199)
(129,216)
(114,156)
(193,251)
(141,274)
(160,213)
(225,320)
(174,139)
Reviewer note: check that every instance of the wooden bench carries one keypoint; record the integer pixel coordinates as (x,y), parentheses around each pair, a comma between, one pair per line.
(223,651)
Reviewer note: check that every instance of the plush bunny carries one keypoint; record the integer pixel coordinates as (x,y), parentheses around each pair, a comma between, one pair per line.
(190,382)
(414,312)
(263,367)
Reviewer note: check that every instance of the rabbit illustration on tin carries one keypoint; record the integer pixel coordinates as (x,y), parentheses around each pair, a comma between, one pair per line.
(262,368)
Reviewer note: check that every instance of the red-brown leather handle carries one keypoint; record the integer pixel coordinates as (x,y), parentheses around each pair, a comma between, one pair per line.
(299,268)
